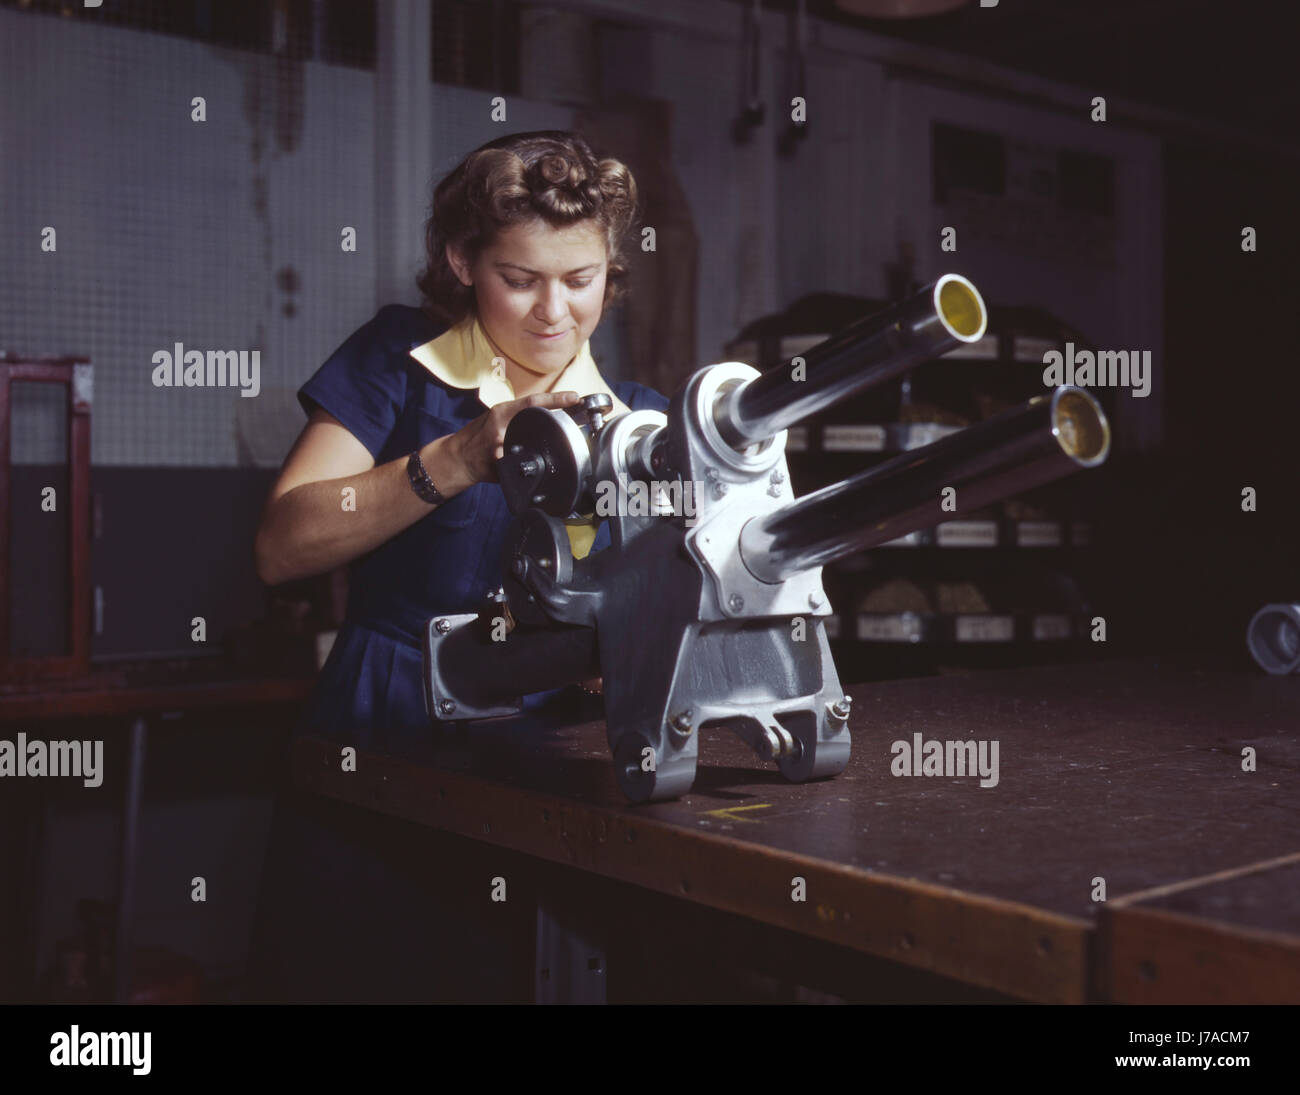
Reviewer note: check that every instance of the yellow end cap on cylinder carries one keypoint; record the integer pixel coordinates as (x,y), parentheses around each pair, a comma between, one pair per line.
(961,308)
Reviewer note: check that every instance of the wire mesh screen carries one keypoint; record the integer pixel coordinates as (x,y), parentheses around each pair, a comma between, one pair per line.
(181,179)
(177,179)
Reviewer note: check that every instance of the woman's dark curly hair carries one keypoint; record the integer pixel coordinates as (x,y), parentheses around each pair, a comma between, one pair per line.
(551,175)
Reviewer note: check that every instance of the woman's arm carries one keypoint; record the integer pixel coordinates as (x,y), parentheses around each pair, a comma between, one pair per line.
(304,528)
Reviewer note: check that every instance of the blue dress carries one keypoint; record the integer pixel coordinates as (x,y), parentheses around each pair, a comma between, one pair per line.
(357,906)
(444,563)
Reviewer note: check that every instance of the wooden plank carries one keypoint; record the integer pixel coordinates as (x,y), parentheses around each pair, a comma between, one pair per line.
(1229,938)
(89,702)
(1124,771)
(999,945)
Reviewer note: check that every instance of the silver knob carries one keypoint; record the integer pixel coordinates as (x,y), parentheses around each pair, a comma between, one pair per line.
(596,407)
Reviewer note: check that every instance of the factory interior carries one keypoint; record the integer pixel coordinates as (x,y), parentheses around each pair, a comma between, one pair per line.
(946,652)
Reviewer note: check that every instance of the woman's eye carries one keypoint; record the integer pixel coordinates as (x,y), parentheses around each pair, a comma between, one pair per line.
(525,284)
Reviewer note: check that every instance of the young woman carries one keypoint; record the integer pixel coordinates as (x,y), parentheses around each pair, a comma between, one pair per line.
(394,474)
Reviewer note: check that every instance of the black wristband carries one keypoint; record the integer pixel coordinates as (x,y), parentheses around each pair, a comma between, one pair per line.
(420,481)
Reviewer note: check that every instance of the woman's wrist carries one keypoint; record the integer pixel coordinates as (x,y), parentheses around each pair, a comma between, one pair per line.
(441,459)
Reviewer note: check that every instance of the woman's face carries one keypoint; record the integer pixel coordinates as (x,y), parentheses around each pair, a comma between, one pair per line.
(536,280)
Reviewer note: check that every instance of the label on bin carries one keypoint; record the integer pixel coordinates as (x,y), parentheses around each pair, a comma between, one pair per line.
(855,438)
(1051,627)
(1038,533)
(899,627)
(968,534)
(985,629)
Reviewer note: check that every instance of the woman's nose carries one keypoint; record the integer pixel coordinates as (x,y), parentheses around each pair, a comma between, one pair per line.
(551,308)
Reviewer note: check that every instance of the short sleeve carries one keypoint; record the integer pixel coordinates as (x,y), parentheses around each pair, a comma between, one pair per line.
(363,382)
(640,398)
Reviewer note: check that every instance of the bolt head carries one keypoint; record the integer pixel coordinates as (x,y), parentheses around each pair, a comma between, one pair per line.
(735,602)
(719,490)
(443,626)
(446,707)
(814,601)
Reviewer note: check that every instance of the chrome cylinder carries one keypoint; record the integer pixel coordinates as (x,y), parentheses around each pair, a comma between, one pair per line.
(1049,437)
(861,356)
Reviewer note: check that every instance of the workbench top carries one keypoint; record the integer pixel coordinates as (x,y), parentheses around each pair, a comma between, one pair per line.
(1129,772)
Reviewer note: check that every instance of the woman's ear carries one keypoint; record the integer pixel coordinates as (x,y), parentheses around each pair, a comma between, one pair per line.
(458,265)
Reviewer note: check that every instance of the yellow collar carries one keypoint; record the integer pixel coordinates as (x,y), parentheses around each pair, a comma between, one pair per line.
(462,357)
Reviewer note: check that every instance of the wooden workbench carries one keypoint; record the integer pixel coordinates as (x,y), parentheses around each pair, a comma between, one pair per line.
(1131,772)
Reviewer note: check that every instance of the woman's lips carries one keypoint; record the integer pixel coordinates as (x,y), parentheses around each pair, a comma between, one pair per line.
(549,338)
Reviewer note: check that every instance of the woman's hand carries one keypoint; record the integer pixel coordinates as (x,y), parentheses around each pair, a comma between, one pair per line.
(481,443)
